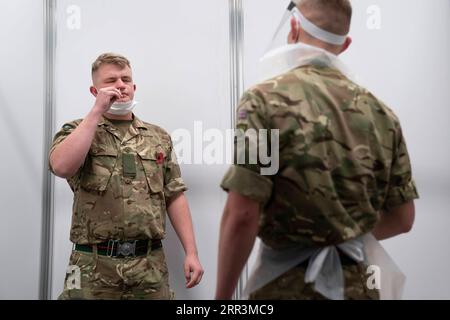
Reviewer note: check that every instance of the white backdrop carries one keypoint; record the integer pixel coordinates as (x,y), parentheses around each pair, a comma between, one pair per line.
(401,52)
(22,136)
(179,54)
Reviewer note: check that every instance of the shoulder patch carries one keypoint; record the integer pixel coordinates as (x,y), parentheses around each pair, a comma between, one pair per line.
(242,114)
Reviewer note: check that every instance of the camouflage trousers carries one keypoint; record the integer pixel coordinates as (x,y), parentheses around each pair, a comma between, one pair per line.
(96,277)
(291,286)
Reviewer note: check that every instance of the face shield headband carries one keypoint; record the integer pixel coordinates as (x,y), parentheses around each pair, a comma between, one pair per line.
(308,26)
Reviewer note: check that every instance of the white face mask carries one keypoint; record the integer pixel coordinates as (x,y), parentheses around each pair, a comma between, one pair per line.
(122,108)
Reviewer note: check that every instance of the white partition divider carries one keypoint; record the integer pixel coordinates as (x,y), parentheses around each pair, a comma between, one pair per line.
(22,138)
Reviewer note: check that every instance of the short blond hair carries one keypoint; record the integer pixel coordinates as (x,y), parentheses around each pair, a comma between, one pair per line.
(110,58)
(331,15)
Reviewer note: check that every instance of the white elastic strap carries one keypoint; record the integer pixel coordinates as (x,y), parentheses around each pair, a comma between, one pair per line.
(317,32)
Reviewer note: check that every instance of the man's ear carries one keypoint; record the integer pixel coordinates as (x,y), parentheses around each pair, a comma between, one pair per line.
(94,91)
(346,44)
(294,32)
(134,87)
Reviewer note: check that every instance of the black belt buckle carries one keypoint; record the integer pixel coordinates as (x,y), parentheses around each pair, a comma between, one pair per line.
(125,249)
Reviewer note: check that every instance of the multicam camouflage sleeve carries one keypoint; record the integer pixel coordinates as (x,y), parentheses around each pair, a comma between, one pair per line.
(173,183)
(402,187)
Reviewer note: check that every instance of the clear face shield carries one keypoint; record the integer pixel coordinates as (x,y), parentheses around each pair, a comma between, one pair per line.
(292,15)
(286,51)
(281,36)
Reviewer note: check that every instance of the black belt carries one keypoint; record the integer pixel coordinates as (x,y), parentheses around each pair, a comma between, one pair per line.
(117,248)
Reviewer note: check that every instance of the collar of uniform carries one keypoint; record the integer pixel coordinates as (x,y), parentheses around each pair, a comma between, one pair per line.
(137,123)
(137,128)
(322,69)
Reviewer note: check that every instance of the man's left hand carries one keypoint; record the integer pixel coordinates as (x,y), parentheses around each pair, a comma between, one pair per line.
(193,270)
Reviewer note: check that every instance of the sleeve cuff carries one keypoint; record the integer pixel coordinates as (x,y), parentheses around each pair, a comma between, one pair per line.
(247,183)
(174,187)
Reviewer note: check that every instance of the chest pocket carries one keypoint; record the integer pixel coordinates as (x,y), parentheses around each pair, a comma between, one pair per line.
(98,168)
(153,164)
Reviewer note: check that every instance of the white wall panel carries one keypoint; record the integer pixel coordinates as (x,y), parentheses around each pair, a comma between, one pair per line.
(405,63)
(22,135)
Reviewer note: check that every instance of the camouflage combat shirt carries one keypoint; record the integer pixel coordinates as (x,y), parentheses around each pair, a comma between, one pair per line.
(121,190)
(343,158)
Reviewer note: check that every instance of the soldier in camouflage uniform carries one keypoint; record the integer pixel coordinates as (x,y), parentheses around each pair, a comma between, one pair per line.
(344,170)
(125,178)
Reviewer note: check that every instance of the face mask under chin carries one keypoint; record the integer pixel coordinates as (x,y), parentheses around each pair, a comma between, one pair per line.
(122,108)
